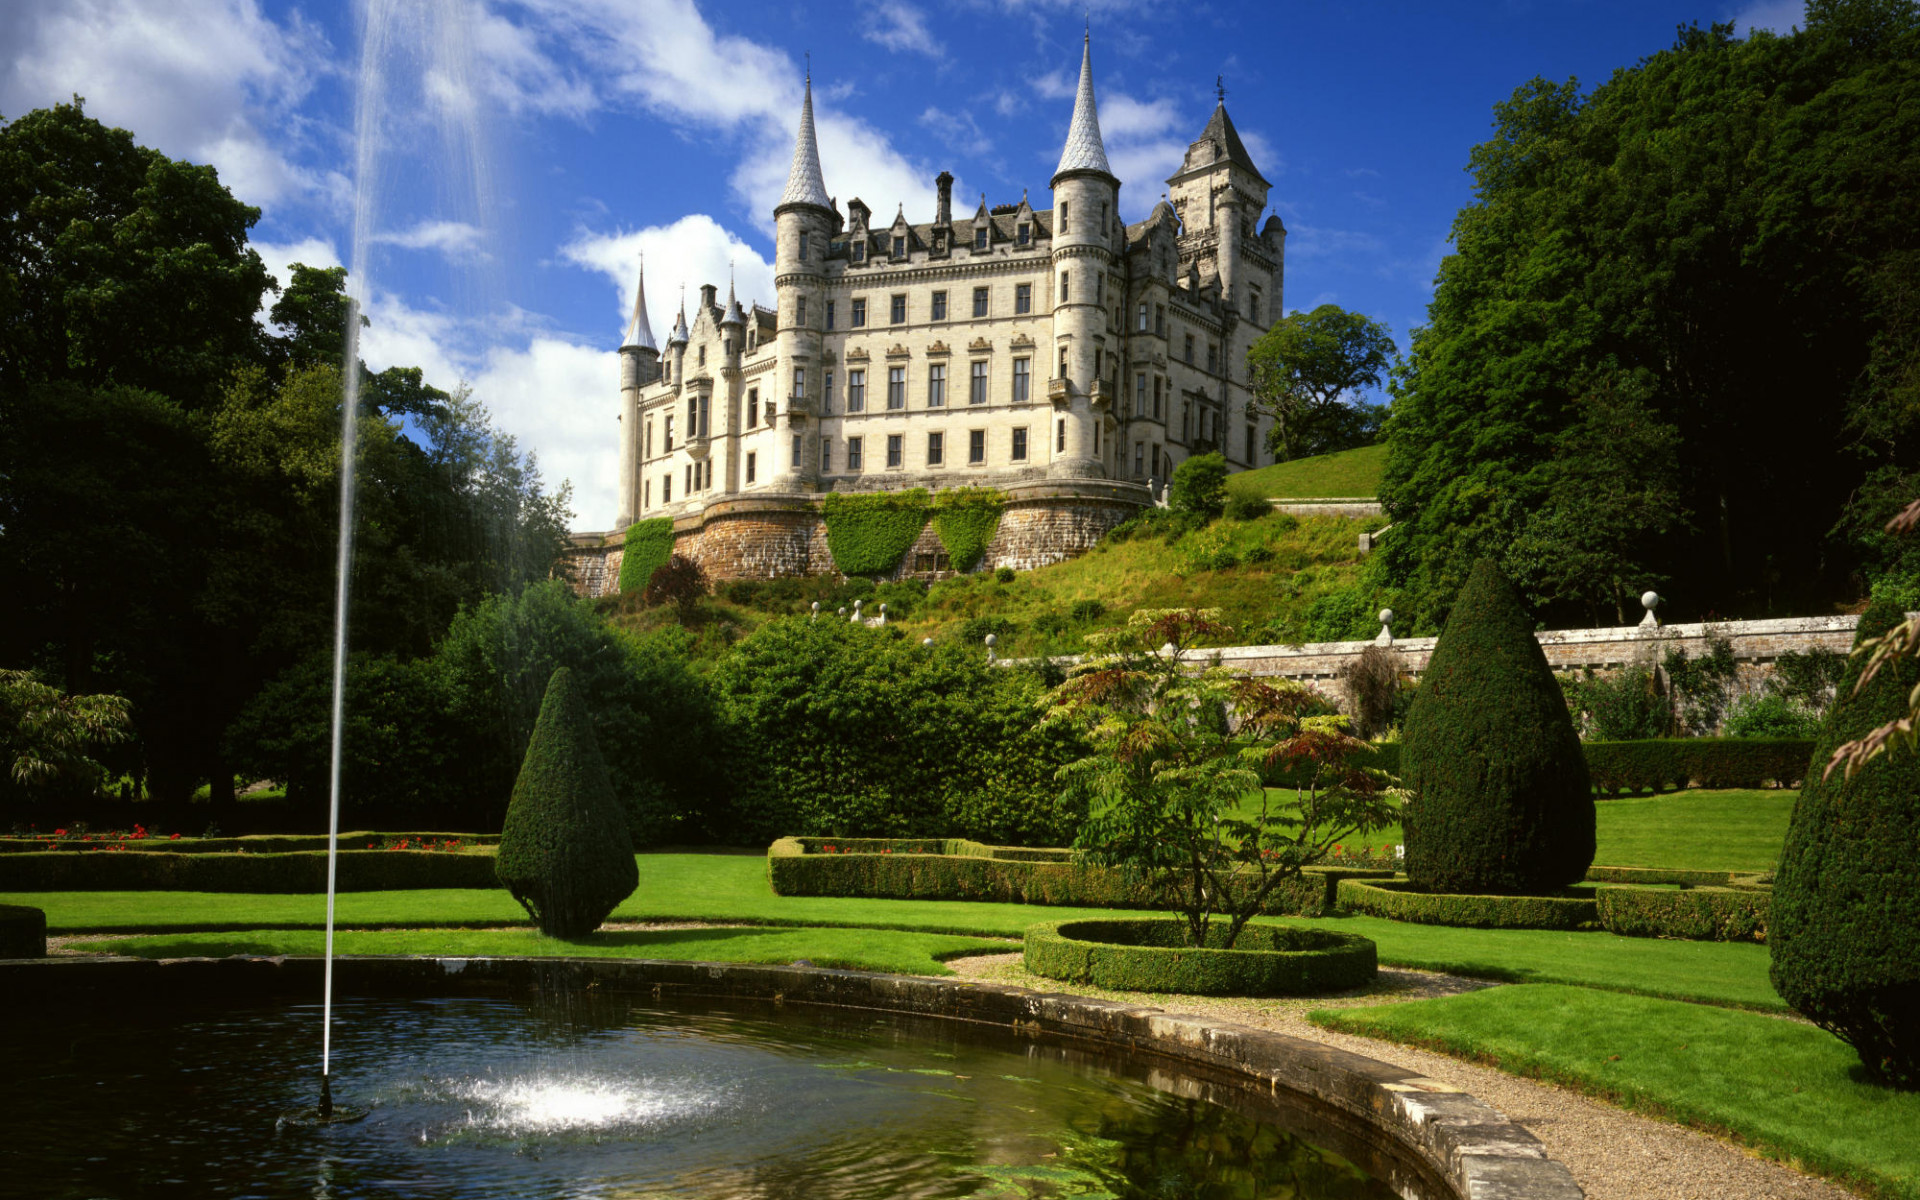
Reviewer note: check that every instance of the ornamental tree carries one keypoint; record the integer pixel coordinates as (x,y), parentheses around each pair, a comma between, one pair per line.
(565,853)
(1304,369)
(1178,744)
(1499,796)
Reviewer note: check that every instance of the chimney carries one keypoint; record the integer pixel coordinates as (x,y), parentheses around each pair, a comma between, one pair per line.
(944,181)
(709,295)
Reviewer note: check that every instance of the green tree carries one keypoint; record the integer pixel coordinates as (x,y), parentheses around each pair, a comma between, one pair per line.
(564,851)
(1500,800)
(1177,745)
(1199,486)
(48,736)
(1307,370)
(1845,929)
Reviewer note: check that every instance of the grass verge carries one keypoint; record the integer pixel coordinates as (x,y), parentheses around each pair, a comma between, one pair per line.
(1343,473)
(1724,830)
(1791,1090)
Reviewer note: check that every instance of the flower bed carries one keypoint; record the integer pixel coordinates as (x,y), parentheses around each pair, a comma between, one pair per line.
(23,932)
(1153,956)
(1397,900)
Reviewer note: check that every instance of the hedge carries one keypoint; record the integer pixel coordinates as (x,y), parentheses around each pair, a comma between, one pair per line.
(302,871)
(1659,875)
(868,533)
(957,869)
(259,844)
(1702,914)
(965,519)
(23,932)
(648,546)
(1697,762)
(1396,900)
(1153,956)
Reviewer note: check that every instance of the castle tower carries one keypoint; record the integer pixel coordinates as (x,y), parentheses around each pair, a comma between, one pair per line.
(1219,194)
(1086,205)
(639,366)
(803,222)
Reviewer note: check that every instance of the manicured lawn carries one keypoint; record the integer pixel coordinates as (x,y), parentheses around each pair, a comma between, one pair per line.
(1707,831)
(1791,1089)
(863,949)
(1342,473)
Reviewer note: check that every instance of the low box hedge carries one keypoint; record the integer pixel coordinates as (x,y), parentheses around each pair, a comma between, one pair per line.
(1669,763)
(269,843)
(1397,900)
(957,869)
(23,932)
(1701,914)
(1658,875)
(1155,956)
(301,871)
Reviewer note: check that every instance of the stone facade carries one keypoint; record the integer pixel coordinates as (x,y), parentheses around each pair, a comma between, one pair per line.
(1009,348)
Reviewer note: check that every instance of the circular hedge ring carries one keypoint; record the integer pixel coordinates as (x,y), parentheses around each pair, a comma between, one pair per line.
(1399,900)
(23,932)
(1153,956)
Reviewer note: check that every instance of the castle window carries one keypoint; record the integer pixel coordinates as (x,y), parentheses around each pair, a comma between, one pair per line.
(803,245)
(1159,320)
(897,310)
(894,453)
(796,452)
(706,406)
(687,481)
(666,371)
(1139,459)
(648,453)
(896,387)
(860,250)
(1186,421)
(799,386)
(1021,235)
(800,311)
(750,465)
(646,494)
(1213,356)
(979,238)
(853,454)
(703,356)
(669,431)
(1023,297)
(1022,380)
(977,384)
(1060,438)
(939,306)
(1154,460)
(977,444)
(1063,216)
(1096,362)
(829,314)
(1157,382)
(1064,291)
(1063,364)
(937,385)
(1253,305)
(936,449)
(858,317)
(1096,439)
(1140,394)
(1143,317)
(826,393)
(899,247)
(1189,349)
(753,407)
(826,453)
(980,302)
(1019,450)
(666,488)
(1099,289)
(1103,214)
(857,390)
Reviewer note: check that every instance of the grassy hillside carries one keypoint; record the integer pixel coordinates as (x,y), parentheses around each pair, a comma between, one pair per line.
(1263,575)
(1344,473)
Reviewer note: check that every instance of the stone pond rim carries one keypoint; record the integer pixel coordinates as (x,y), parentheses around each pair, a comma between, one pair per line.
(1476,1152)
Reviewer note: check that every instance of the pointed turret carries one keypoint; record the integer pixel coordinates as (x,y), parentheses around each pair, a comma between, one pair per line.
(639,331)
(1084,151)
(805,185)
(679,335)
(735,314)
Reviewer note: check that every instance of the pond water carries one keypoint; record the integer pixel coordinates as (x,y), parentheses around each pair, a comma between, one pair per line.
(615,1097)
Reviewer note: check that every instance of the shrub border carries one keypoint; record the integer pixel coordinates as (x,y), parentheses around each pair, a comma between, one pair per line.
(1087,952)
(1395,900)
(1701,914)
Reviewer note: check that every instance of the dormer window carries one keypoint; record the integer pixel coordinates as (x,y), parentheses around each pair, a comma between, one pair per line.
(899,247)
(860,251)
(1020,234)
(980,237)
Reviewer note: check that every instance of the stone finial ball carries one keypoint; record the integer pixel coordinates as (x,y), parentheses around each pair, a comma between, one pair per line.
(816,606)
(883,607)
(1386,616)
(1649,599)
(926,641)
(991,640)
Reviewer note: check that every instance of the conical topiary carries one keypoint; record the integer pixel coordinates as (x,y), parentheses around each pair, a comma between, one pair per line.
(1501,800)
(1845,927)
(565,853)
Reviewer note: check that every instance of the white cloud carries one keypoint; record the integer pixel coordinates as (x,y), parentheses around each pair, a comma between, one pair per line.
(1779,16)
(901,27)
(1056,85)
(691,251)
(214,81)
(957,130)
(456,241)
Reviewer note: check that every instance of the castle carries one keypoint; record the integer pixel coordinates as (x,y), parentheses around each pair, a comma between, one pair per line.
(1059,355)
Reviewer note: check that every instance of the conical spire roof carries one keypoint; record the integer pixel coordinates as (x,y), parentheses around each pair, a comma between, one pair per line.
(639,332)
(735,315)
(805,185)
(1084,150)
(1220,130)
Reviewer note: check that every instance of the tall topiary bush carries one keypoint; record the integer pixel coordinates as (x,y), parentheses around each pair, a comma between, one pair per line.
(1501,801)
(648,546)
(565,853)
(869,532)
(1845,937)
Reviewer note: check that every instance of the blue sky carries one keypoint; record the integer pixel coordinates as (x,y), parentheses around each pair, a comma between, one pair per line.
(526,151)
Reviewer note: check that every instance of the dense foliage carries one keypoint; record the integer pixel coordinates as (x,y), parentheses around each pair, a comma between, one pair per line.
(849,731)
(1845,934)
(1199,486)
(1501,800)
(564,850)
(48,738)
(1679,335)
(647,547)
(679,581)
(1306,371)
(966,520)
(869,532)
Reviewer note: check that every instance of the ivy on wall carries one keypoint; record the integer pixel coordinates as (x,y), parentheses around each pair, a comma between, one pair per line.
(649,545)
(869,532)
(966,520)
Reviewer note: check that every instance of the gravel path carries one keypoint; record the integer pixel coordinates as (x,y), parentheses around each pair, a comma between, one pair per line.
(1614,1154)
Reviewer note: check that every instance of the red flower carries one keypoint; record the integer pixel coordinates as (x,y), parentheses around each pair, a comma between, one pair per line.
(59,833)
(174,838)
